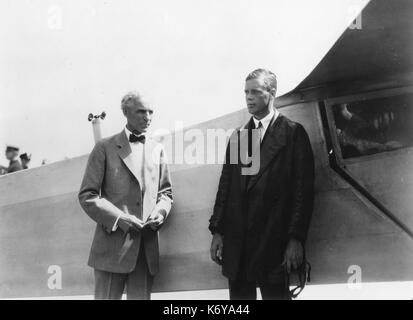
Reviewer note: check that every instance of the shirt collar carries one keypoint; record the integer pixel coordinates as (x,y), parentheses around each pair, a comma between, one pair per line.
(128,132)
(267,119)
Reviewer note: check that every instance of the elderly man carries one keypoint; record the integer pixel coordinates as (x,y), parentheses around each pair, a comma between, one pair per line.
(260,221)
(126,190)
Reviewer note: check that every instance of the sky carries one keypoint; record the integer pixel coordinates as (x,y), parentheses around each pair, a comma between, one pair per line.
(61,60)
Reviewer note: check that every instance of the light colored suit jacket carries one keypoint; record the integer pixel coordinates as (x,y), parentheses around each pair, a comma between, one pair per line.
(111,186)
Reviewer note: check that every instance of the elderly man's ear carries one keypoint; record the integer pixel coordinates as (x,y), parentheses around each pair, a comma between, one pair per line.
(273,91)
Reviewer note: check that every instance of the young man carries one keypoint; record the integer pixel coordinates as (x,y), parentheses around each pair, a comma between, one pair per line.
(260,221)
(127,190)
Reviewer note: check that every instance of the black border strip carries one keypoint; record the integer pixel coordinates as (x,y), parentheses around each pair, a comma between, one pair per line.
(349,178)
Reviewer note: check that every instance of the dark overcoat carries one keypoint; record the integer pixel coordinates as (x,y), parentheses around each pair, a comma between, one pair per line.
(257,215)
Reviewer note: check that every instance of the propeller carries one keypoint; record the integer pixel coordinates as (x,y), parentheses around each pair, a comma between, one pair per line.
(102,116)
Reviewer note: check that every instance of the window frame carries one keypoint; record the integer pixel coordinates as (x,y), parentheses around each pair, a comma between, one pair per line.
(361,97)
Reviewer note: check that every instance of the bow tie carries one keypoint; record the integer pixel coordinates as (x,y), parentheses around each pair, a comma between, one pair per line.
(134,138)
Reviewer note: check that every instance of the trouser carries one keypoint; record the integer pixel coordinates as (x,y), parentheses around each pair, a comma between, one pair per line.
(242,288)
(138,283)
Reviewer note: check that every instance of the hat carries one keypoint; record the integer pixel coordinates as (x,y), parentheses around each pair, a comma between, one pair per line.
(26,156)
(11,148)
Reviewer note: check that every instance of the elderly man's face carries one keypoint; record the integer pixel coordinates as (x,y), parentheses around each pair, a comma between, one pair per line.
(257,98)
(138,115)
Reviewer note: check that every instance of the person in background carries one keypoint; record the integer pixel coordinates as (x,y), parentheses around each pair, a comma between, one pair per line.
(12,153)
(25,160)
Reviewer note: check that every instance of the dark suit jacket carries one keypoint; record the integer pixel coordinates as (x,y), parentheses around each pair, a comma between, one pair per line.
(14,166)
(259,217)
(111,187)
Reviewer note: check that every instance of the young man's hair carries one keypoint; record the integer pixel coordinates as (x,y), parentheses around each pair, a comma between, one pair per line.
(268,77)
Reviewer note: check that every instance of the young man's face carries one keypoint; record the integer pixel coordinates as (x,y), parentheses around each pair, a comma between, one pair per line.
(139,116)
(257,98)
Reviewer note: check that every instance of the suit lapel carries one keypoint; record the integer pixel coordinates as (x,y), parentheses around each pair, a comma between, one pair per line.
(274,140)
(149,165)
(150,185)
(125,153)
(243,178)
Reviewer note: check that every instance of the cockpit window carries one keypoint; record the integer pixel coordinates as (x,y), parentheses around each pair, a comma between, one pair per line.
(373,126)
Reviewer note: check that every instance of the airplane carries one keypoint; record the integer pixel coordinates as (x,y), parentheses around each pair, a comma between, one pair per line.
(362,224)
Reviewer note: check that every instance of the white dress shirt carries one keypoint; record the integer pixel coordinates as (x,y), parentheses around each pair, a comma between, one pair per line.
(266,121)
(138,156)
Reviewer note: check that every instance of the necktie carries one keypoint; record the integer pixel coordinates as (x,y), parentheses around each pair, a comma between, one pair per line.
(260,128)
(133,138)
(254,144)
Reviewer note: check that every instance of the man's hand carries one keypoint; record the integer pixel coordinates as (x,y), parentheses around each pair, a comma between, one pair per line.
(293,256)
(155,220)
(128,222)
(216,248)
